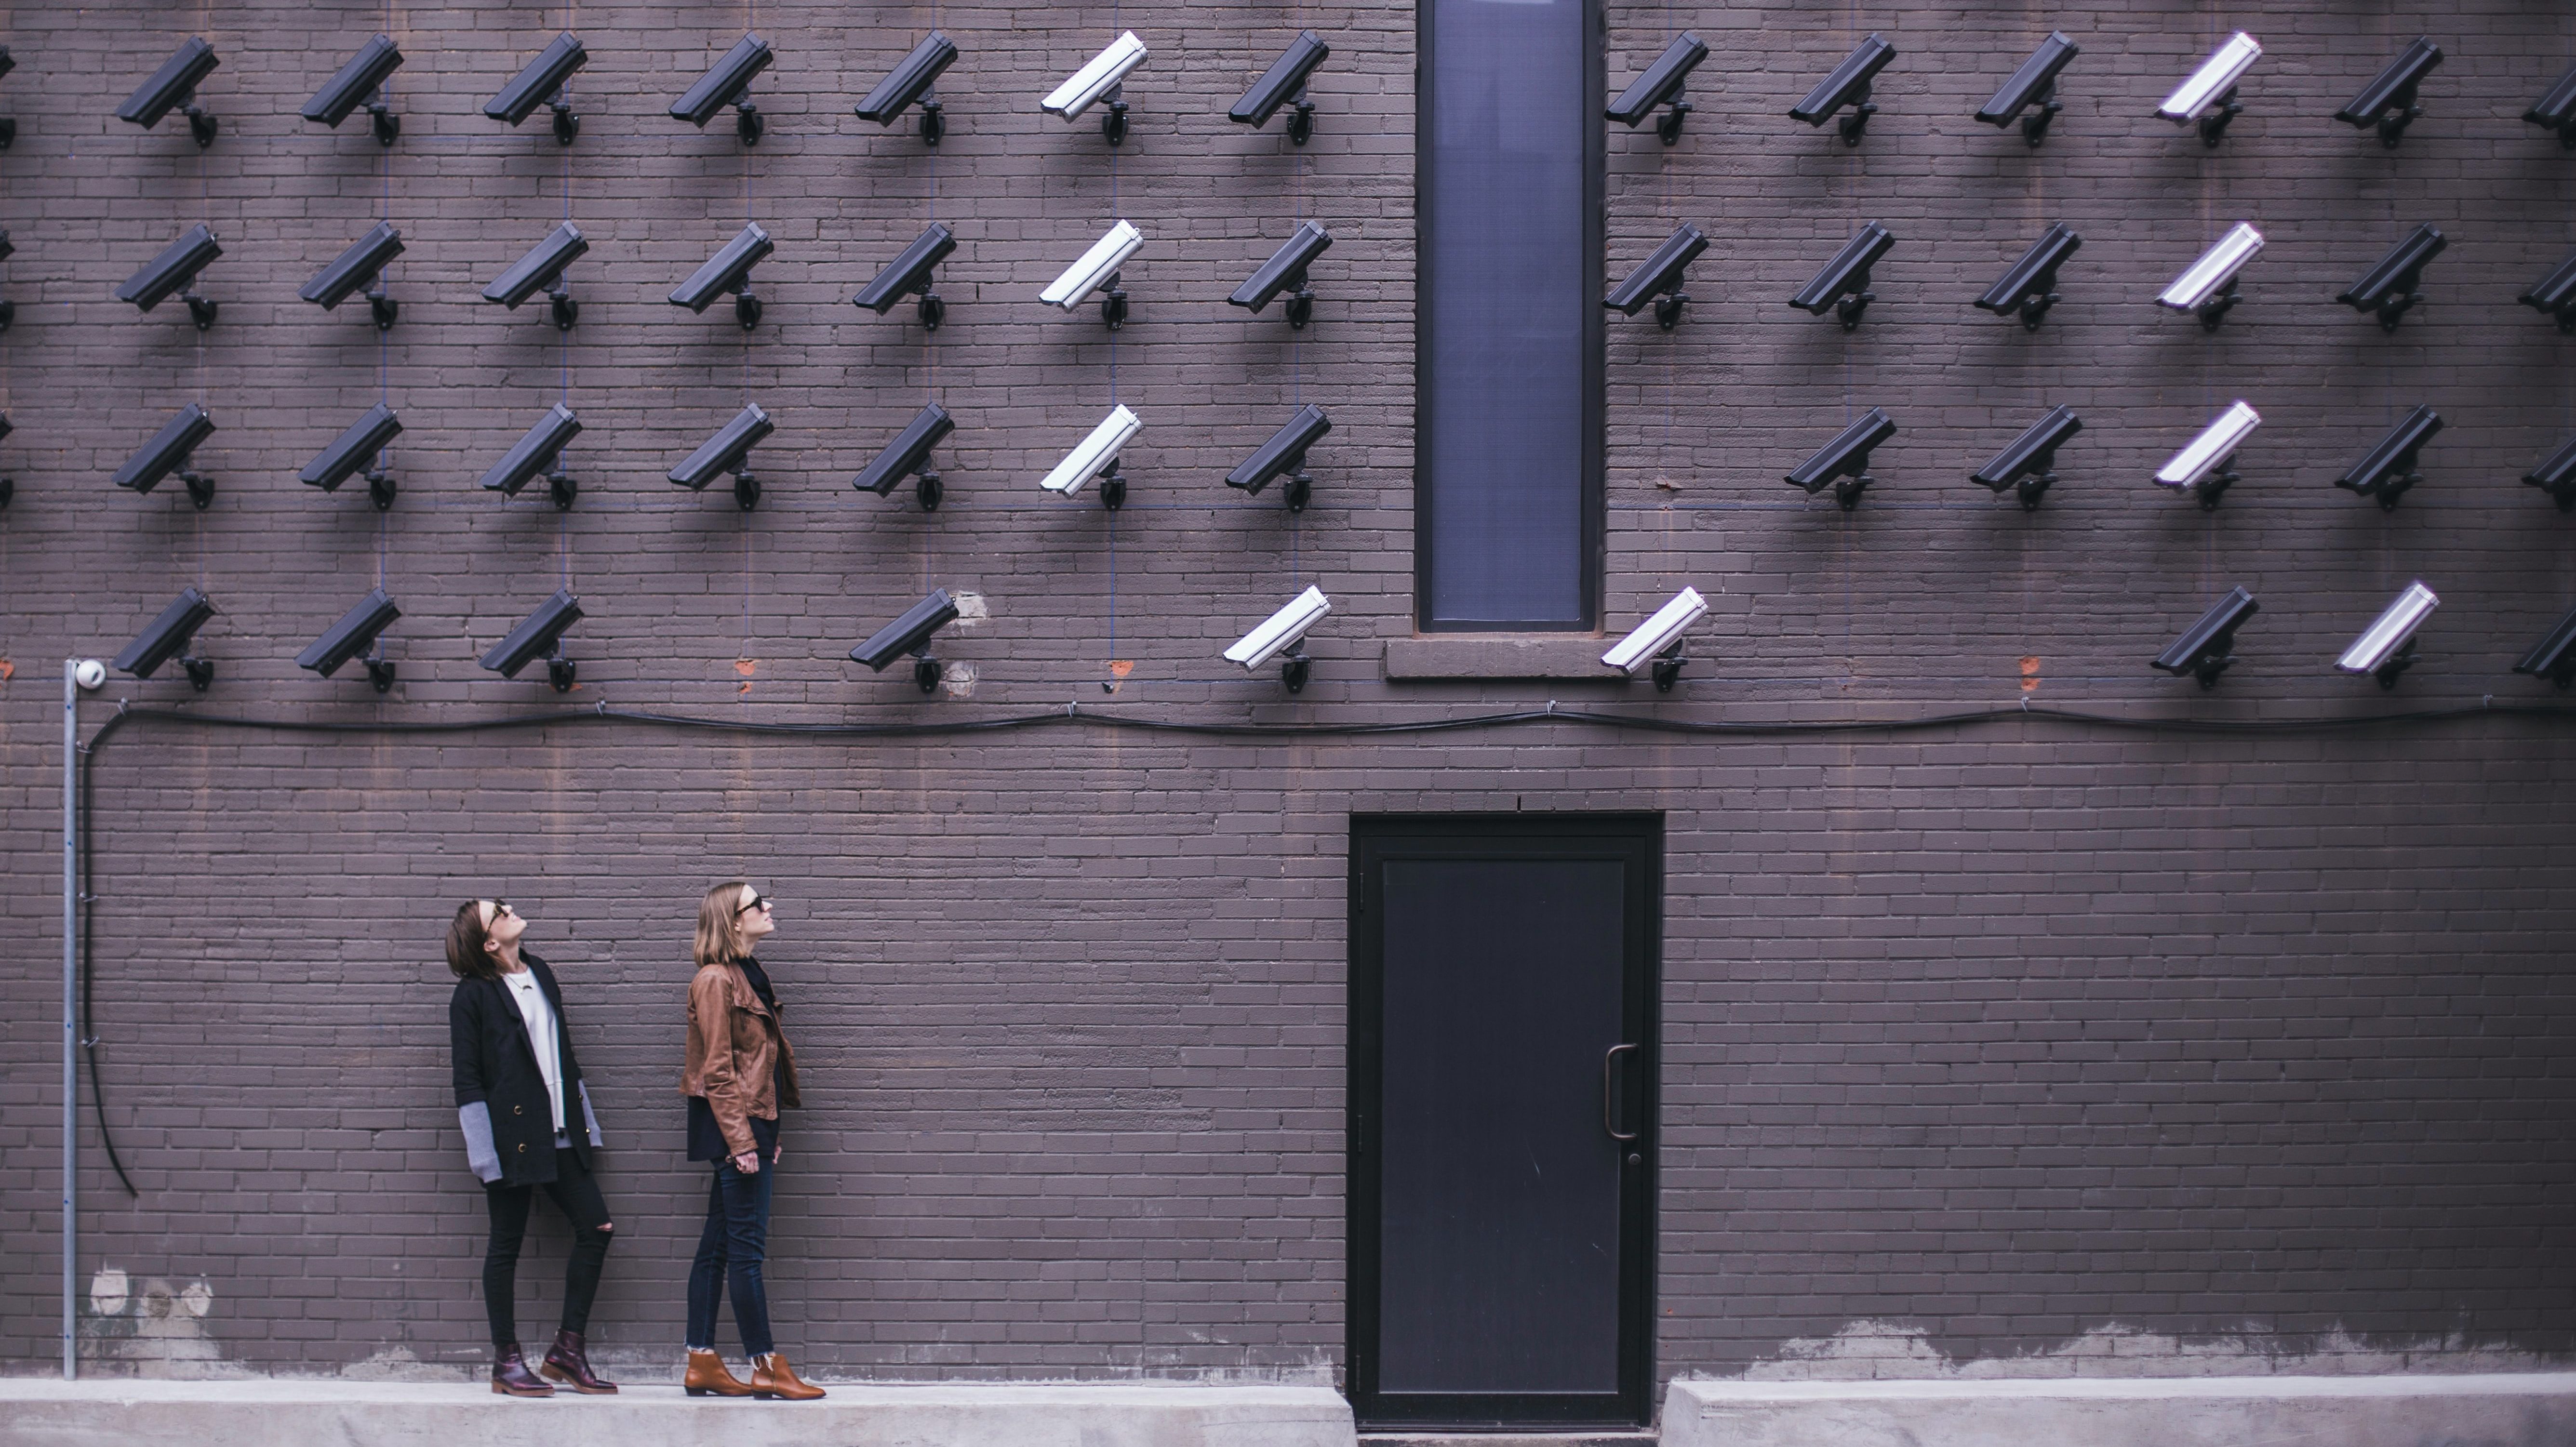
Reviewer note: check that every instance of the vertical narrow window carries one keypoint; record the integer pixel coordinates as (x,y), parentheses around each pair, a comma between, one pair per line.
(1507,490)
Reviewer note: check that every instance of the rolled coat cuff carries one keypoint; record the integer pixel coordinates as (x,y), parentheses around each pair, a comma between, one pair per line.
(475,1119)
(589,1119)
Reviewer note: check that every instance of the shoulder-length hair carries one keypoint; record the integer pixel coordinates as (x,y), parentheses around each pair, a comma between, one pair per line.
(718,940)
(466,938)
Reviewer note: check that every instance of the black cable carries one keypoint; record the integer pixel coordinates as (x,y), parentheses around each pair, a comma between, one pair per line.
(89,979)
(1095,717)
(1072,715)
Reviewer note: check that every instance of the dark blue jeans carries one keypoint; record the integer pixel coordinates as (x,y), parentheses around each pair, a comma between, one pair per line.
(730,1249)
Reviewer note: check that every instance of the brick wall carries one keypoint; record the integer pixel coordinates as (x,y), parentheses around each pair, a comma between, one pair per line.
(2009,1034)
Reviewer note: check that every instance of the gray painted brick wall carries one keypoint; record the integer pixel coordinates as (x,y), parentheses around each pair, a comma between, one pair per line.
(2010,1033)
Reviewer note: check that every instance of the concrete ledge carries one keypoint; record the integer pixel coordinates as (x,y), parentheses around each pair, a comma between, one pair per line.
(1466,656)
(2504,1410)
(282,1413)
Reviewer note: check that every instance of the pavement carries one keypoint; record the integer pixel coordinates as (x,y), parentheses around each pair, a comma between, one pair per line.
(36,1412)
(2506,1409)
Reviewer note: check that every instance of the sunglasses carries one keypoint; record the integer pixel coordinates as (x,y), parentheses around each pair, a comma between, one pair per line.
(500,907)
(758,901)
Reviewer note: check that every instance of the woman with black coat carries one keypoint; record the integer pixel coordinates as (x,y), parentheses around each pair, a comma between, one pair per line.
(528,1125)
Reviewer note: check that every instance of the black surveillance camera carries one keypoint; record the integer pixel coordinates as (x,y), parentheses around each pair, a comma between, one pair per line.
(2554,657)
(1843,286)
(2556,476)
(2207,647)
(167,637)
(542,83)
(539,452)
(910,83)
(1284,83)
(1844,462)
(8,486)
(728,83)
(172,271)
(356,631)
(2029,287)
(1284,453)
(1658,279)
(2555,294)
(362,265)
(2029,465)
(908,455)
(1286,271)
(729,270)
(911,634)
(175,84)
(909,274)
(2388,469)
(2390,288)
(361,82)
(8,308)
(8,125)
(2389,102)
(543,266)
(1661,85)
(357,448)
(2034,84)
(168,452)
(728,451)
(540,634)
(1847,85)
(2555,111)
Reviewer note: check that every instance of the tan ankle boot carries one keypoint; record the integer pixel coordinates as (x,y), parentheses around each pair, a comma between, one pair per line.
(708,1376)
(772,1377)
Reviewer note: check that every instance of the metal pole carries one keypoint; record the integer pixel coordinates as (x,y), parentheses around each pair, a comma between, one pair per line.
(71,1013)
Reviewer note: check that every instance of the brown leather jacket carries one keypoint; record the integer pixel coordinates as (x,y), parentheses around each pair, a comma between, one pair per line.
(739,1058)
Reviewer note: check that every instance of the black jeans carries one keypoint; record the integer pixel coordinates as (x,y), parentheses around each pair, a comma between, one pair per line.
(730,1248)
(575,1194)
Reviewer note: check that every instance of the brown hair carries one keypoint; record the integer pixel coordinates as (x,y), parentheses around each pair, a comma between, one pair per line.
(466,937)
(716,914)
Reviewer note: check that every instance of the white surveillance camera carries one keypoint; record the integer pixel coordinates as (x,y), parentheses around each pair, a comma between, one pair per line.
(90,674)
(2208,86)
(1087,85)
(2211,453)
(1097,268)
(1657,635)
(1280,632)
(1095,455)
(2387,647)
(2204,280)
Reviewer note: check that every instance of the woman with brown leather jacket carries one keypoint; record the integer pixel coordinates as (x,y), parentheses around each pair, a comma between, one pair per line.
(740,1072)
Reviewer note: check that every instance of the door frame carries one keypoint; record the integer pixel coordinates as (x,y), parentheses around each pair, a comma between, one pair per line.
(1636,839)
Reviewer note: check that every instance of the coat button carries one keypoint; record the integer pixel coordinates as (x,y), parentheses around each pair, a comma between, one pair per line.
(523,1148)
(516,1109)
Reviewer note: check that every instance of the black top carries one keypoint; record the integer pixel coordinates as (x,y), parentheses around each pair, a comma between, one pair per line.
(706,1138)
(496,1063)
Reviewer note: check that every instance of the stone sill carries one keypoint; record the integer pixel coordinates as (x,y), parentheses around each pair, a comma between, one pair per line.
(1457,657)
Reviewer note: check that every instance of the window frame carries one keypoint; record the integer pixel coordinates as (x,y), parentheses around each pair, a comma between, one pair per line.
(1592,539)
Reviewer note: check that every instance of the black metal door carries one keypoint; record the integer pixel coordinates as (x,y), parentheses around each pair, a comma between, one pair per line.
(1502,1115)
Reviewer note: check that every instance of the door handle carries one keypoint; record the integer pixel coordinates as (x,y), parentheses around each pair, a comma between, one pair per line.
(1609,1094)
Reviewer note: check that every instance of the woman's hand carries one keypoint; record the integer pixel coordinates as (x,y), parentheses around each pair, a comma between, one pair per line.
(748,1162)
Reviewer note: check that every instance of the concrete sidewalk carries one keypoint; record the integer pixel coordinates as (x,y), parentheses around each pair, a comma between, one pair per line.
(2536,1409)
(35,1412)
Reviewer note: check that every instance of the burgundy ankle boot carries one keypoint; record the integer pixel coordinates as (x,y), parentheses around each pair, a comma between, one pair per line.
(567,1363)
(511,1377)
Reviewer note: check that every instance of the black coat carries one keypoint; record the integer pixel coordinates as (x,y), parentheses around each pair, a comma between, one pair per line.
(496,1066)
